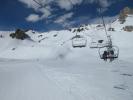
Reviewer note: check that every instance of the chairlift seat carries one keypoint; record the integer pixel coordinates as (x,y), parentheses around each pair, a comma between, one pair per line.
(93,45)
(115,49)
(79,41)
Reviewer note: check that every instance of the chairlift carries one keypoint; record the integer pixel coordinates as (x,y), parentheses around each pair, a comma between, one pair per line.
(112,52)
(108,51)
(93,44)
(97,44)
(79,41)
(102,44)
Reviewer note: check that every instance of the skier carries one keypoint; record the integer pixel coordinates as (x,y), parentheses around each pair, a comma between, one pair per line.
(105,55)
(111,55)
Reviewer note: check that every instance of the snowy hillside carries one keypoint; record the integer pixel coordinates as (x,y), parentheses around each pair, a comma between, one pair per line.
(42,44)
(47,67)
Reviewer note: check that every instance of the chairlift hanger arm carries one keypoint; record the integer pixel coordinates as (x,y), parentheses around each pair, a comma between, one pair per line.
(105,28)
(103,22)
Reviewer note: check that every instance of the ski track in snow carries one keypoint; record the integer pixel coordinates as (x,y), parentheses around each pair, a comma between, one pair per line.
(41,80)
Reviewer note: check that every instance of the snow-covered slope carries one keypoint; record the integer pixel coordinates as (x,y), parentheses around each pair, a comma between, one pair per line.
(54,43)
(47,67)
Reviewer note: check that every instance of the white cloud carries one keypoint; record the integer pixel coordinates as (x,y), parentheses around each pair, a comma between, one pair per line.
(33,18)
(106,19)
(30,4)
(63,18)
(46,11)
(64,4)
(74,2)
(68,4)
(102,3)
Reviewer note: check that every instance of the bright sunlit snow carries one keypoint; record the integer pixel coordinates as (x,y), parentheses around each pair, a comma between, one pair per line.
(47,67)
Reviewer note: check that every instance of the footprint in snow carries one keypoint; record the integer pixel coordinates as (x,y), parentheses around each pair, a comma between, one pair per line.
(123,66)
(115,71)
(120,87)
(125,74)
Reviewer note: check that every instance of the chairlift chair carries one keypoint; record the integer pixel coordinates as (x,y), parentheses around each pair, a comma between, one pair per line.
(108,51)
(93,44)
(97,44)
(79,41)
(103,44)
(115,50)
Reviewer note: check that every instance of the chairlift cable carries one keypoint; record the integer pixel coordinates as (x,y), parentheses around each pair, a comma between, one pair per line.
(41,5)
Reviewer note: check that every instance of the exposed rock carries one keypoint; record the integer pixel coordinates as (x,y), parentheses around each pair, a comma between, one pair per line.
(1,36)
(79,29)
(124,13)
(111,29)
(99,25)
(70,30)
(19,34)
(55,35)
(128,28)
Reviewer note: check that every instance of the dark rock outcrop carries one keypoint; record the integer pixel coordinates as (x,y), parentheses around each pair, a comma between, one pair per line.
(124,13)
(128,28)
(19,34)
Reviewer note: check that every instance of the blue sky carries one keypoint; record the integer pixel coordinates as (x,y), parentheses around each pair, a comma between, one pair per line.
(57,14)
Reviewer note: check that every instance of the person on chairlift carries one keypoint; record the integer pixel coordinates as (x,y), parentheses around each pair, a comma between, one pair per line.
(111,55)
(105,54)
